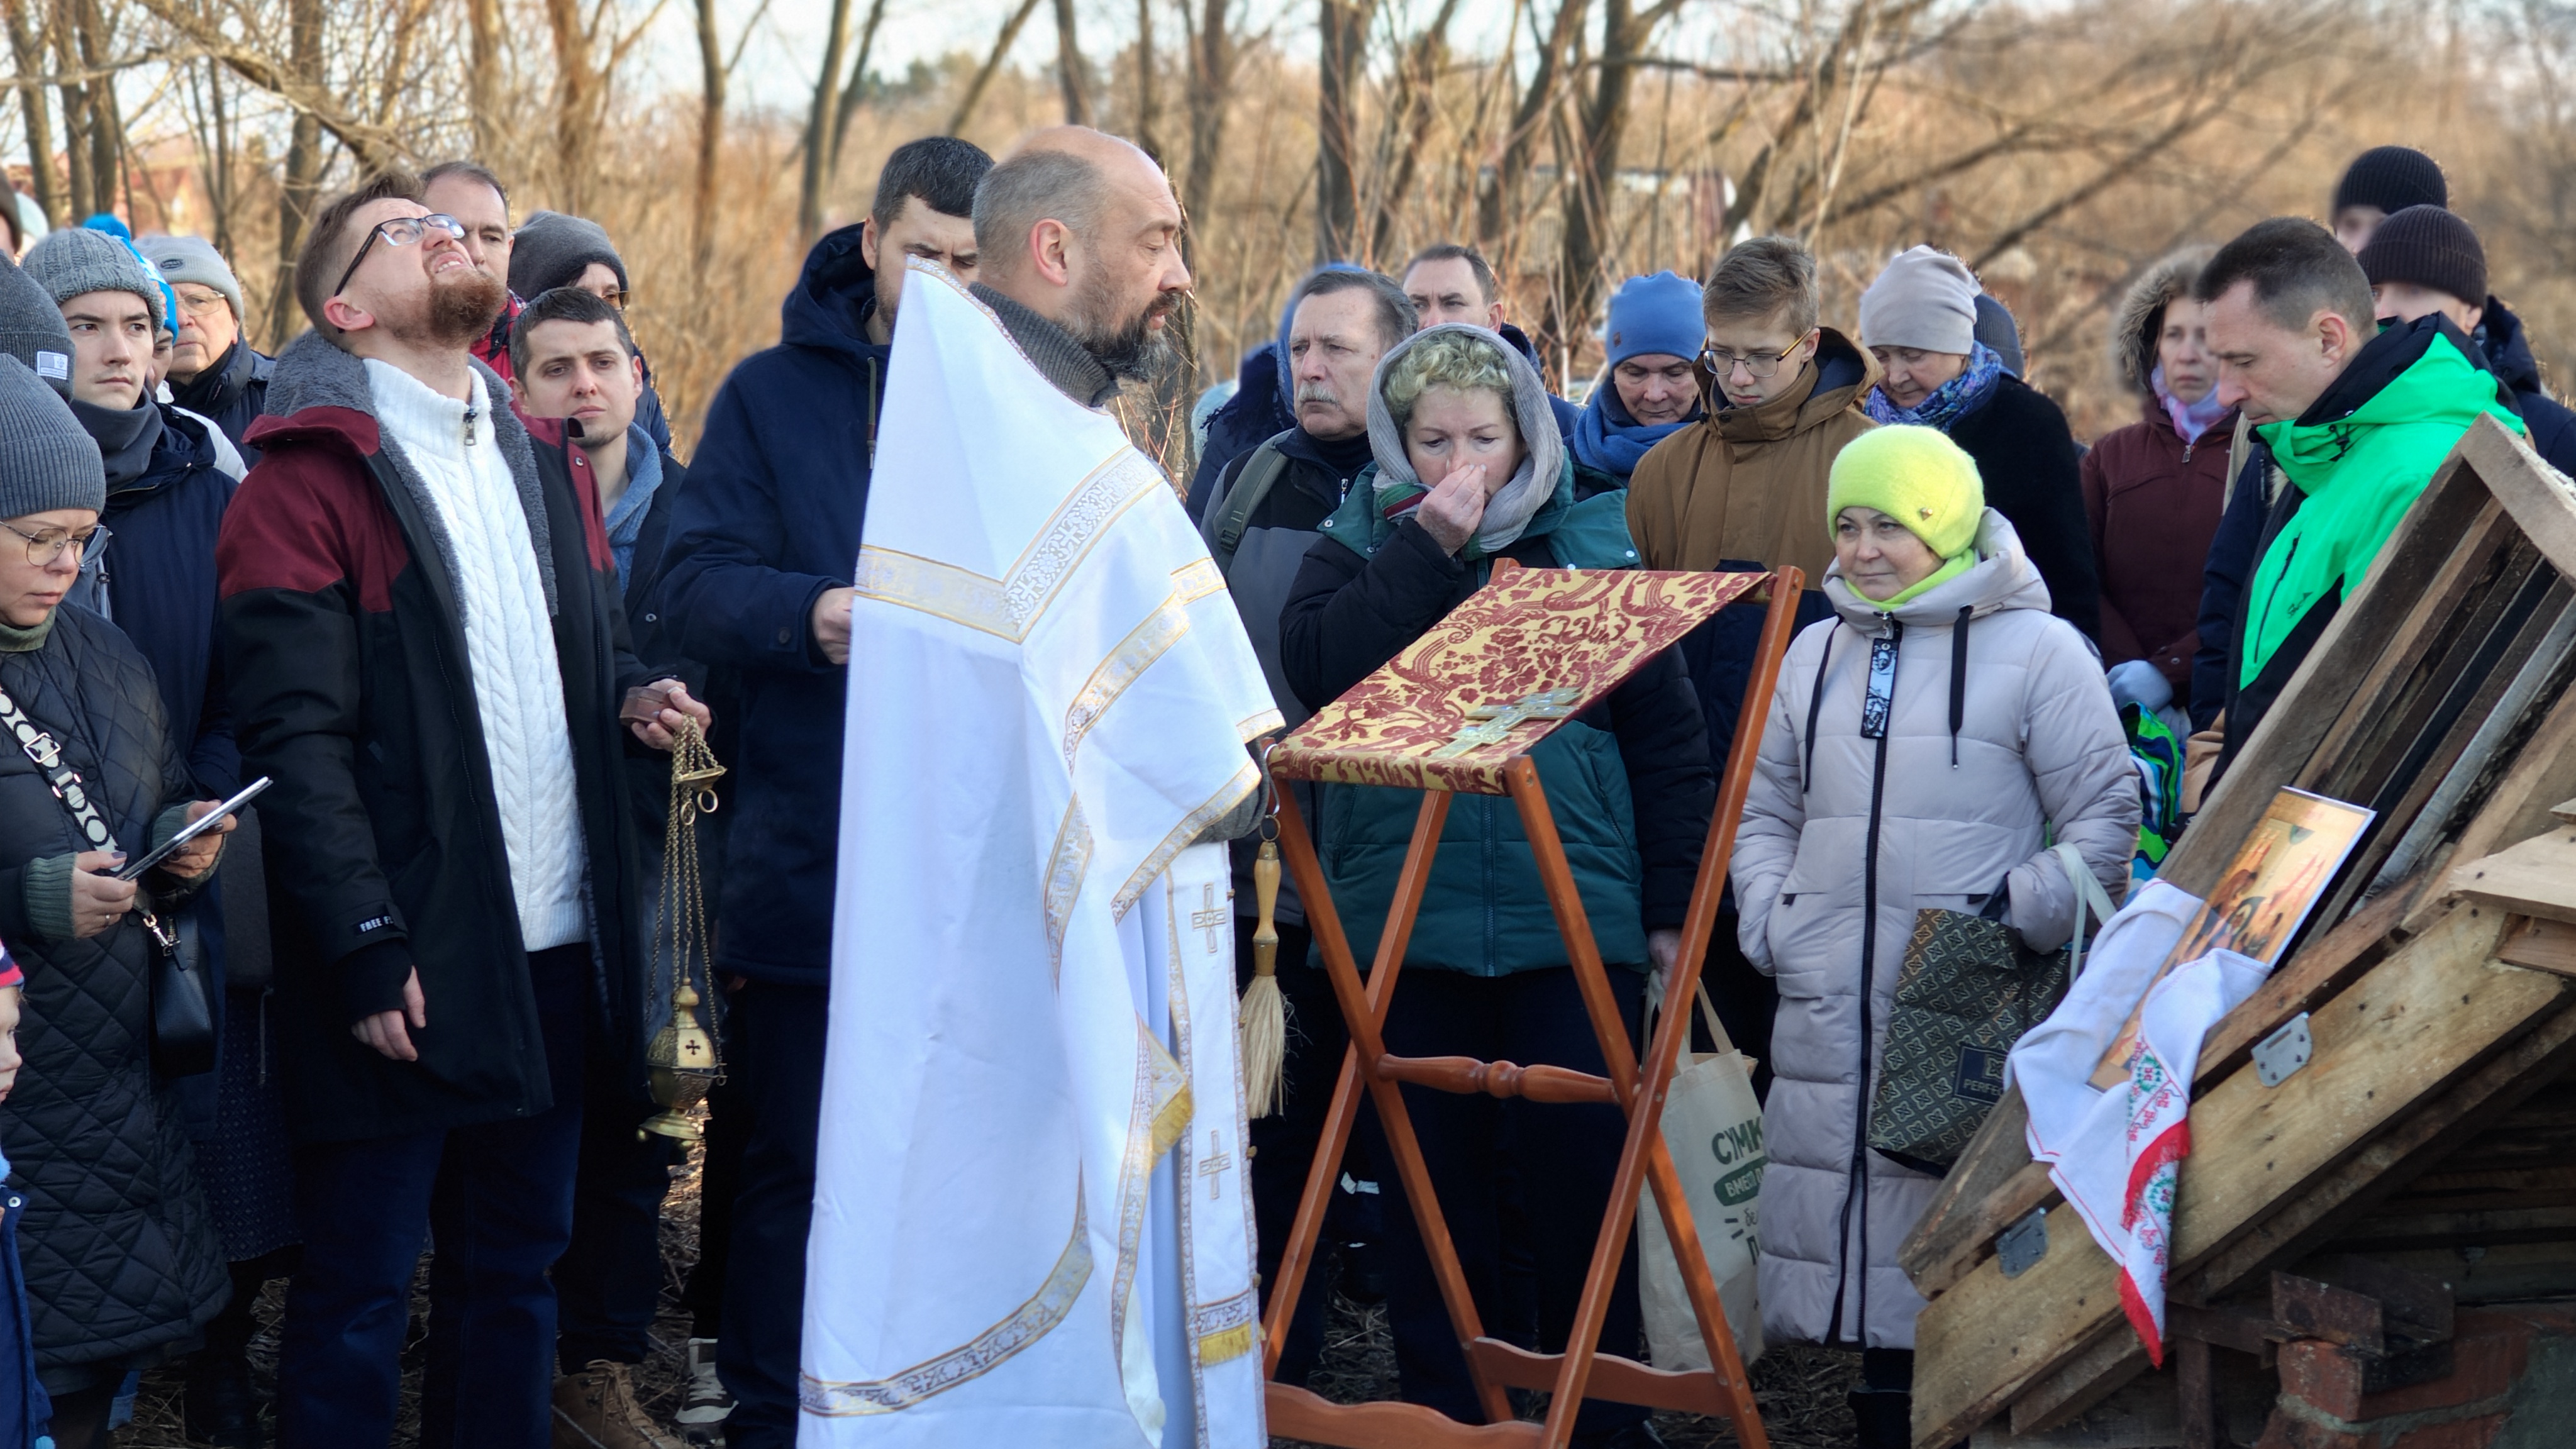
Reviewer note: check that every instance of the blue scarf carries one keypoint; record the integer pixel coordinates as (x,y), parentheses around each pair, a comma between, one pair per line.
(1607,438)
(626,519)
(2190,420)
(1947,403)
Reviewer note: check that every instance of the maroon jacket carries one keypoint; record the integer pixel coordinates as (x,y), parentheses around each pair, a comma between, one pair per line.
(345,657)
(2153,502)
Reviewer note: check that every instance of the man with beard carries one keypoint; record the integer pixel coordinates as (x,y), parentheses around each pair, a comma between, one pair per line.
(424,649)
(1029,1223)
(757,584)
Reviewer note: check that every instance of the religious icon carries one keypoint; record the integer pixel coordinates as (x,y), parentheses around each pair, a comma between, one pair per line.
(2280,873)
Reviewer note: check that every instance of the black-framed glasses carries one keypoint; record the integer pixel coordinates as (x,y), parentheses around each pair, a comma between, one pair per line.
(400,231)
(1721,364)
(43,548)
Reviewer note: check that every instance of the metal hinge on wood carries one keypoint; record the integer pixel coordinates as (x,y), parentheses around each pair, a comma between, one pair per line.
(2279,1056)
(2023,1244)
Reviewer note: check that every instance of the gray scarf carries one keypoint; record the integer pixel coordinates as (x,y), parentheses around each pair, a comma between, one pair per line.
(125,437)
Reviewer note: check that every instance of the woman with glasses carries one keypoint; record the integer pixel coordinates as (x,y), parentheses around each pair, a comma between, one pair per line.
(1919,319)
(121,1256)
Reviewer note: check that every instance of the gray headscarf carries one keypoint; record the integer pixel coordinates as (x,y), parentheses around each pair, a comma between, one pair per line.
(1542,448)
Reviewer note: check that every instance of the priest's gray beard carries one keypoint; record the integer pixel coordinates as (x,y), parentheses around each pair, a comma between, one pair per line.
(1130,350)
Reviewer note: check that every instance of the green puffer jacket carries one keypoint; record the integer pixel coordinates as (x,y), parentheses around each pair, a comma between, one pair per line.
(1628,781)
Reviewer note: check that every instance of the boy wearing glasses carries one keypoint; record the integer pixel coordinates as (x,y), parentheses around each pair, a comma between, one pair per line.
(1739,489)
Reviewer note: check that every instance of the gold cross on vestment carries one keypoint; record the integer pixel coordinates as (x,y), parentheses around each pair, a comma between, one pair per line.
(1498,719)
(1208,917)
(1215,1165)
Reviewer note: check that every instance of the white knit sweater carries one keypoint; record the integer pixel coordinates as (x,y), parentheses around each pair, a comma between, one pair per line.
(509,644)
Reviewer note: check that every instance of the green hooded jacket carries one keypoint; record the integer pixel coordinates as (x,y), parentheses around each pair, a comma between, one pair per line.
(2360,471)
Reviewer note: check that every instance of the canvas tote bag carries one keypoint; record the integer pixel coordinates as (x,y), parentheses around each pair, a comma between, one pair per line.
(1713,1128)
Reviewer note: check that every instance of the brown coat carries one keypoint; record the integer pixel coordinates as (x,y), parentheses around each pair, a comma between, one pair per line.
(1749,483)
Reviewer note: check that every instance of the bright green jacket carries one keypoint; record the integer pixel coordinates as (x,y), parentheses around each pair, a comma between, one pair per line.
(2360,473)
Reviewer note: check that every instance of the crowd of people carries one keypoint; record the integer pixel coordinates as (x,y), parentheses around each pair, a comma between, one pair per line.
(437,573)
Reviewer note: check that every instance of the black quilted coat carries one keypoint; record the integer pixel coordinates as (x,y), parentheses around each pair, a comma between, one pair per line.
(120,1250)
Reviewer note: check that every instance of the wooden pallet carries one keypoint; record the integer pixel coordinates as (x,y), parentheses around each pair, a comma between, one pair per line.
(2438,992)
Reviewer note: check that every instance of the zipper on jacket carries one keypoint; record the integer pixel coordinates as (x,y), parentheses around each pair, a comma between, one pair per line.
(1877,707)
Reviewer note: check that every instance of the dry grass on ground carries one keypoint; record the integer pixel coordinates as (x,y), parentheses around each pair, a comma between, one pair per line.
(1800,1388)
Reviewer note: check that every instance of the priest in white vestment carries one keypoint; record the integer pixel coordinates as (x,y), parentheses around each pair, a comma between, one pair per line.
(1031,1225)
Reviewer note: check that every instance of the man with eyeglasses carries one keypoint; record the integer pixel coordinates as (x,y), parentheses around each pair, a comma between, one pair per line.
(425,649)
(214,371)
(554,250)
(1742,488)
(470,192)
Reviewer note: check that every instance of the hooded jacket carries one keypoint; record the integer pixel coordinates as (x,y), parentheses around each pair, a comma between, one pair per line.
(1628,780)
(2153,498)
(2507,347)
(118,1244)
(2356,460)
(769,520)
(1740,489)
(231,394)
(346,664)
(2000,733)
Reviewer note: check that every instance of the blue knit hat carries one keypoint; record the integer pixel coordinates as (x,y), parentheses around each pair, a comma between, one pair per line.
(1654,314)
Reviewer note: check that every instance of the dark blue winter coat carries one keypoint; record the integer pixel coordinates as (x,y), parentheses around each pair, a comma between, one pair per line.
(232,393)
(158,575)
(769,520)
(2508,350)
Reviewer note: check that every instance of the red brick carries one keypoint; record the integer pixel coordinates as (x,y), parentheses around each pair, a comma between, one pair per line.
(2322,1376)
(2491,1350)
(2284,1431)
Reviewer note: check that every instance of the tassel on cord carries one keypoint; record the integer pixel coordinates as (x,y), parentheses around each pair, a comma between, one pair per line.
(1264,1014)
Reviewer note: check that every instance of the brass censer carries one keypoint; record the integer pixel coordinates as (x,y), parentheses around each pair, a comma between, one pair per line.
(682,1057)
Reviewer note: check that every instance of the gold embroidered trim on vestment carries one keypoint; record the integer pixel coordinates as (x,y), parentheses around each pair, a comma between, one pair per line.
(1136,653)
(1008,607)
(1031,1321)
(1068,860)
(1218,806)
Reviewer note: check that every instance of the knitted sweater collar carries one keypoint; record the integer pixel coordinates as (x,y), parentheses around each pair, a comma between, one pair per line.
(1053,351)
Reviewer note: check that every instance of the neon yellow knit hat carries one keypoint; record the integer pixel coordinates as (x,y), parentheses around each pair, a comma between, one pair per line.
(1916,476)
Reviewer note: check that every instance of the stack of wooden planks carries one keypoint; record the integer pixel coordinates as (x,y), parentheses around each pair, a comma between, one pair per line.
(2437,984)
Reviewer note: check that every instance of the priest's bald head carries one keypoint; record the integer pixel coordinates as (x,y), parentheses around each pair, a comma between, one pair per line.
(1081,228)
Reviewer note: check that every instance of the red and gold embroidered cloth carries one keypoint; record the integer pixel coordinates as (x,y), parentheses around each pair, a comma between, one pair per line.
(1571,635)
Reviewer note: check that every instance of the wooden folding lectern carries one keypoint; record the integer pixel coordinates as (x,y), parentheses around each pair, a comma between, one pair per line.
(1460,709)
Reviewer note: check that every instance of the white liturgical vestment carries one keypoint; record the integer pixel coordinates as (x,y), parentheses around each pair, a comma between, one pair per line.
(1031,1223)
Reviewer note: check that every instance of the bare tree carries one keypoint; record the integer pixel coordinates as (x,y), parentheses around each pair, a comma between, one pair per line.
(1069,69)
(303,178)
(818,124)
(1528,118)
(1212,56)
(483,80)
(26,47)
(1148,100)
(984,77)
(1407,132)
(1342,26)
(857,84)
(1624,34)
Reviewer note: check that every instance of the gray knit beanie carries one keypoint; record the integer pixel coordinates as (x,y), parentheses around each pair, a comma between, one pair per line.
(193,259)
(76,260)
(1926,298)
(47,460)
(32,330)
(551,250)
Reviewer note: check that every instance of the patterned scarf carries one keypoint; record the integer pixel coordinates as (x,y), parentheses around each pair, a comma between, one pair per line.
(2190,420)
(1948,402)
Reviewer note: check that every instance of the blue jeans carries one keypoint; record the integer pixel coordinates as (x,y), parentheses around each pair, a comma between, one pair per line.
(498,1197)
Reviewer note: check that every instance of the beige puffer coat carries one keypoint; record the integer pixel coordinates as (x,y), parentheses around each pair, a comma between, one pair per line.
(1954,802)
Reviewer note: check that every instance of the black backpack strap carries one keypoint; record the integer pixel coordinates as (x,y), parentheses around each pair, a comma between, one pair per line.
(1231,513)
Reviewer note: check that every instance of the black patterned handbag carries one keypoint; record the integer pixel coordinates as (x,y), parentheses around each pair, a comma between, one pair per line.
(1969,989)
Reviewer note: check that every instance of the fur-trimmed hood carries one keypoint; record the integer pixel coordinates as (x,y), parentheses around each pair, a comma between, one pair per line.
(2142,315)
